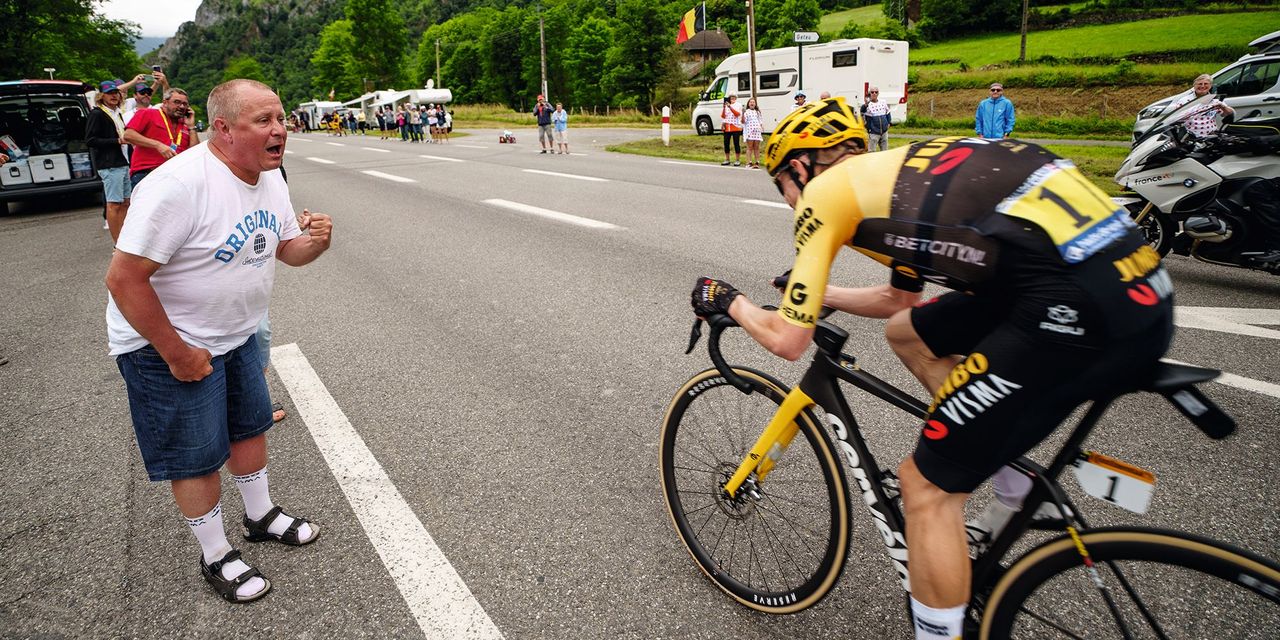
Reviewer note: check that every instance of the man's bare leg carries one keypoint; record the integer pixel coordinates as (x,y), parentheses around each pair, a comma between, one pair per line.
(115,220)
(929,369)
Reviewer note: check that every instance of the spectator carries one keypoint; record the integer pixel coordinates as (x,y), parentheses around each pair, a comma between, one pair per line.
(753,129)
(360,122)
(446,123)
(402,122)
(433,122)
(1203,123)
(160,134)
(141,100)
(198,398)
(799,100)
(875,115)
(731,127)
(824,95)
(994,118)
(137,84)
(415,124)
(104,133)
(542,111)
(560,118)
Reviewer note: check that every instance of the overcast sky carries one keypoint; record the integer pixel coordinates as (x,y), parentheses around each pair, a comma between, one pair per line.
(158,19)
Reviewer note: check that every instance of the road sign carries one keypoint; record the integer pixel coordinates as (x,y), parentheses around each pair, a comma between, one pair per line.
(806,36)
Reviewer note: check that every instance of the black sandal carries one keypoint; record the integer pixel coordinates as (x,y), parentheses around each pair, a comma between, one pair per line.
(256,531)
(227,588)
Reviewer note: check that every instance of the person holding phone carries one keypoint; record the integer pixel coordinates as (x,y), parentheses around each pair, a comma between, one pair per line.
(731,126)
(160,134)
(157,80)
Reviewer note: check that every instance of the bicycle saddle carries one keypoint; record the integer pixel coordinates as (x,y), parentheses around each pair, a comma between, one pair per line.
(1177,383)
(1168,377)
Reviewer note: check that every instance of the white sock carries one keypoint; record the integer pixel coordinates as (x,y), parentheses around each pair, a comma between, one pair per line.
(256,492)
(937,624)
(213,545)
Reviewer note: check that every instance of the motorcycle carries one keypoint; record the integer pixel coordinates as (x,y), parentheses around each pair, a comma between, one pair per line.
(1190,192)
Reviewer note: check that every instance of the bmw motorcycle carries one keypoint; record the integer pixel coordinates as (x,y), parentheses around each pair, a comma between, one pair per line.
(1188,193)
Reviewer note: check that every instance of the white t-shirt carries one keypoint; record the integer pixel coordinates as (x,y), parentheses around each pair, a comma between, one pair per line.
(216,238)
(128,114)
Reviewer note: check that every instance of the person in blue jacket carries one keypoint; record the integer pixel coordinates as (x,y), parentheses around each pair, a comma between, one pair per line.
(994,118)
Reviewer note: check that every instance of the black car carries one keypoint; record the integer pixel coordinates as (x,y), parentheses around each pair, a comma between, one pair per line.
(42,131)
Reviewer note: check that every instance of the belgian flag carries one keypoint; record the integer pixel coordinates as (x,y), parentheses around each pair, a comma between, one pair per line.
(694,21)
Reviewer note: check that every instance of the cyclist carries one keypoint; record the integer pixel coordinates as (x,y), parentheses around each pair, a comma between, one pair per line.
(1056,300)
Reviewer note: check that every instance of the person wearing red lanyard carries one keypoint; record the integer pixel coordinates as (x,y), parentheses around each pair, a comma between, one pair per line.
(159,134)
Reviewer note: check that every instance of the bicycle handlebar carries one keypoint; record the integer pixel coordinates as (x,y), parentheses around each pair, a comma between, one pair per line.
(718,323)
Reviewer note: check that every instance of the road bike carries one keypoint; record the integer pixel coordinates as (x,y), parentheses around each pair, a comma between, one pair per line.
(767,515)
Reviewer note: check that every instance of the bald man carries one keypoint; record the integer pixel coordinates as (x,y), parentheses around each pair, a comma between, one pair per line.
(190,279)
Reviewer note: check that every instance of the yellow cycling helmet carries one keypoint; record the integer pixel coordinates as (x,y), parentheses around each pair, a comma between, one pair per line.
(817,125)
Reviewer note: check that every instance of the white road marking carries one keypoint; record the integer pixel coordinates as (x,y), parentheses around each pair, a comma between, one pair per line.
(468,146)
(553,215)
(300,139)
(1241,382)
(769,203)
(336,144)
(376,149)
(1229,320)
(441,158)
(287,151)
(566,175)
(320,160)
(387,176)
(437,597)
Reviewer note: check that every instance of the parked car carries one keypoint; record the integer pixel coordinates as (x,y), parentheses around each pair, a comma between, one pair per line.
(42,131)
(1248,85)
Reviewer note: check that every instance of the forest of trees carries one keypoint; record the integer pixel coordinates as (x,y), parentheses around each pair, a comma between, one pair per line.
(599,52)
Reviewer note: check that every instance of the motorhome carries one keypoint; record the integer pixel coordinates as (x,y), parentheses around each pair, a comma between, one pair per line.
(318,109)
(842,68)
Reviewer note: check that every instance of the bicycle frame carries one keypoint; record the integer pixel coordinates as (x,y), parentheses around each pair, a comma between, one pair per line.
(820,386)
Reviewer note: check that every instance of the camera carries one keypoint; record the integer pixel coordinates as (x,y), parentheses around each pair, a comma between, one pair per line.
(155,67)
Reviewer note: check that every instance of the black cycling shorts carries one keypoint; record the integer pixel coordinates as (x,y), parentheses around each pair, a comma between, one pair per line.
(1032,353)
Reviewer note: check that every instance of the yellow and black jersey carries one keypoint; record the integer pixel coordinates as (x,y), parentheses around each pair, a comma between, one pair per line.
(944,211)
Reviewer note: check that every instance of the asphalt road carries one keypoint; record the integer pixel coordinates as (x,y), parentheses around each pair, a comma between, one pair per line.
(508,373)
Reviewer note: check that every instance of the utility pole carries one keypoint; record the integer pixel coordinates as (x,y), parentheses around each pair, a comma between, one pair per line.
(751,42)
(542,44)
(437,63)
(1022,55)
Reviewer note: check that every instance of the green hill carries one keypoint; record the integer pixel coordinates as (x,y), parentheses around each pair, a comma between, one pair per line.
(1190,35)
(833,22)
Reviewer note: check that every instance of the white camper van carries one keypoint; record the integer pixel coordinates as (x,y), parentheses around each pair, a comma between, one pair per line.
(842,68)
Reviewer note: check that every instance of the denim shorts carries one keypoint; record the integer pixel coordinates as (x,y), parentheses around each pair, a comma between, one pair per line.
(137,176)
(185,429)
(116,183)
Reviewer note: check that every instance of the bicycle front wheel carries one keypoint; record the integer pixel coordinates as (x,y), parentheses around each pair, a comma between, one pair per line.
(1155,584)
(780,544)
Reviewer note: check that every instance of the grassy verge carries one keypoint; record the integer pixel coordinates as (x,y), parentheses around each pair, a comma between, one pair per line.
(492,115)
(1099,164)
(1193,33)
(1069,76)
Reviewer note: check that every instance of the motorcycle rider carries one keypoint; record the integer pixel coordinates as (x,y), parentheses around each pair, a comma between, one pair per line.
(1263,196)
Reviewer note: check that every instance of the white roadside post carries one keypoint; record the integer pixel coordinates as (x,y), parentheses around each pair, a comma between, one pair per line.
(666,126)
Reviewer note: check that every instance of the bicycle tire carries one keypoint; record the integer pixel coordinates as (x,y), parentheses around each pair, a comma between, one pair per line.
(802,514)
(1192,587)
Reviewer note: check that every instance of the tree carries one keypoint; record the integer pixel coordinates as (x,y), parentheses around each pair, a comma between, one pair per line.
(67,35)
(585,56)
(381,41)
(499,49)
(778,21)
(636,59)
(944,18)
(335,67)
(243,66)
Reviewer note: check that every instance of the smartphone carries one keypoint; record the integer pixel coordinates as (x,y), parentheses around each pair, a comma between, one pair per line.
(155,67)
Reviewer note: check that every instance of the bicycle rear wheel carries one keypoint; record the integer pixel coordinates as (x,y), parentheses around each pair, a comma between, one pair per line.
(777,547)
(1163,584)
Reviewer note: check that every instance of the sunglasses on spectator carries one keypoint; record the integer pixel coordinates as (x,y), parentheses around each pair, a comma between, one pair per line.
(997,91)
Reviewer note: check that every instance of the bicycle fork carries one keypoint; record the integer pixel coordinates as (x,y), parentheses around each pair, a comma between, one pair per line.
(771,444)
